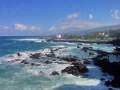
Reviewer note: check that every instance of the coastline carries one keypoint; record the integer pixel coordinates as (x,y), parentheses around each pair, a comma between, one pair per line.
(82,41)
(59,66)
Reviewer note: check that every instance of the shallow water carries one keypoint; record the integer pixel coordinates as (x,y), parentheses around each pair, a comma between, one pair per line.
(25,78)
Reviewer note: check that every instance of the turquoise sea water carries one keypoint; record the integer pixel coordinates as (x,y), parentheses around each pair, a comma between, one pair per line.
(9,45)
(25,77)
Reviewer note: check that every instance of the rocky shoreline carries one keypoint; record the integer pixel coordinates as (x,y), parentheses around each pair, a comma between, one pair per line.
(112,68)
(74,65)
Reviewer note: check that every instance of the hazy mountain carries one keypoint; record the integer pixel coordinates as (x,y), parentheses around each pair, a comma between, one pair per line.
(100,29)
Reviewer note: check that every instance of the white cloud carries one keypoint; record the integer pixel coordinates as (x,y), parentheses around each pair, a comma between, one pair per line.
(115,14)
(75,24)
(90,16)
(19,26)
(73,15)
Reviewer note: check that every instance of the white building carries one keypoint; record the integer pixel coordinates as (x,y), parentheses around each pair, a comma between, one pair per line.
(59,36)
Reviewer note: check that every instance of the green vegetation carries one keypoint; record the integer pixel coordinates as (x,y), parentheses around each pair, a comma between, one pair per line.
(106,35)
(94,36)
(115,34)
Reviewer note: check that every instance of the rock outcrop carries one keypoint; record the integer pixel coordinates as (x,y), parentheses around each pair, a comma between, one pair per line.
(76,69)
(35,55)
(112,68)
(54,73)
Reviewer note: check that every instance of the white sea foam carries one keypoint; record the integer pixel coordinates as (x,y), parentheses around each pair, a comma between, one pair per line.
(86,44)
(64,79)
(58,46)
(68,43)
(45,81)
(31,40)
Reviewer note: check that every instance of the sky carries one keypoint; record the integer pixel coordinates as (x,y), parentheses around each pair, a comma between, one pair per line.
(46,17)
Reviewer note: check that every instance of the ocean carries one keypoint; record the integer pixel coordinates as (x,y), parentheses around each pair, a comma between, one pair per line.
(9,45)
(15,76)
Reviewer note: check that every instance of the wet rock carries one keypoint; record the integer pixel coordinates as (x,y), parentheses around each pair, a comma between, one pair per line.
(54,60)
(47,62)
(85,49)
(116,82)
(107,83)
(111,68)
(87,62)
(18,54)
(54,73)
(17,60)
(102,79)
(76,69)
(116,42)
(69,59)
(91,53)
(49,52)
(110,88)
(102,53)
(24,62)
(35,56)
(35,64)
(117,50)
(102,61)
(77,63)
(50,55)
(78,46)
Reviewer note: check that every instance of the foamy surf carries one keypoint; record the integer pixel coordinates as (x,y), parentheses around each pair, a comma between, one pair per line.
(31,77)
(31,40)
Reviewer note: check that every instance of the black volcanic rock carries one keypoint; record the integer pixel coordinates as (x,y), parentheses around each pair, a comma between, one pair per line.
(54,73)
(116,42)
(50,55)
(85,49)
(102,79)
(47,62)
(86,61)
(117,50)
(77,69)
(110,88)
(112,68)
(116,82)
(24,62)
(107,83)
(35,64)
(69,59)
(18,54)
(35,56)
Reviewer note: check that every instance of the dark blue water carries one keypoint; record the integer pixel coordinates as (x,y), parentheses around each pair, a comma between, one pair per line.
(9,45)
